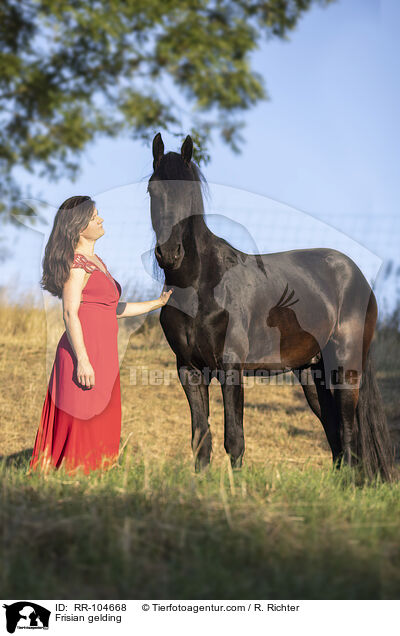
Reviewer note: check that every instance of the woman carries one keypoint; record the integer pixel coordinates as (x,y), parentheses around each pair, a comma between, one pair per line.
(81,417)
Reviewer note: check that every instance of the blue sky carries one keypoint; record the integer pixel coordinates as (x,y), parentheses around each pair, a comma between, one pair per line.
(326,145)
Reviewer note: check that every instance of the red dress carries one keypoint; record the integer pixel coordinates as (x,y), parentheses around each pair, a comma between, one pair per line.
(81,426)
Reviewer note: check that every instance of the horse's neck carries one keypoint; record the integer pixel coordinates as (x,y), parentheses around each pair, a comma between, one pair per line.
(198,248)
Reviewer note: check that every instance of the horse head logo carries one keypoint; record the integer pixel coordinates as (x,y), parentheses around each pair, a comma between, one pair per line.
(26,614)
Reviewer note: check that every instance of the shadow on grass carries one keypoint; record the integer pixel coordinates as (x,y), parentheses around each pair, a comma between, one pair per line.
(266,407)
(161,531)
(295,431)
(19,460)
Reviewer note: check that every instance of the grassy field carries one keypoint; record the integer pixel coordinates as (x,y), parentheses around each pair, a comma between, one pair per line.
(284,526)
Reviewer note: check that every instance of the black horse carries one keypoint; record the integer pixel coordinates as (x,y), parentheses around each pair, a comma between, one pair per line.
(231,315)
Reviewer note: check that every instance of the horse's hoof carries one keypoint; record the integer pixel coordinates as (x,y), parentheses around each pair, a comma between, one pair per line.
(236,463)
(201,465)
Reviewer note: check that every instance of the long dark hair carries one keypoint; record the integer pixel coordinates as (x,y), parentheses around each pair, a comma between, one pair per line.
(72,217)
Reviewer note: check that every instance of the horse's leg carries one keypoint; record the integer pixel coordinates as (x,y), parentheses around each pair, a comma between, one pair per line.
(195,385)
(346,401)
(344,357)
(233,397)
(365,438)
(322,403)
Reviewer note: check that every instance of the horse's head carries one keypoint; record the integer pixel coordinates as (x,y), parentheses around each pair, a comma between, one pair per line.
(173,189)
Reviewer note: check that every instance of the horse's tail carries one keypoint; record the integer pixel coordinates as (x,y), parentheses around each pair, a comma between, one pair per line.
(372,442)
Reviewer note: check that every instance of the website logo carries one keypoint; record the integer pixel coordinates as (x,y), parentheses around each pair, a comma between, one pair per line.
(26,615)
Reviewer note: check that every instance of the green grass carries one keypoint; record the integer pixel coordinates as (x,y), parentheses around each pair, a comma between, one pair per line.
(285,526)
(144,530)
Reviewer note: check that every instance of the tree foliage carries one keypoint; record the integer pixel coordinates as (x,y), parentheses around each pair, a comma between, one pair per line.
(71,70)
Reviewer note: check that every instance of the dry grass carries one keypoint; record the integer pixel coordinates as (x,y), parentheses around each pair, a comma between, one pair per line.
(279,426)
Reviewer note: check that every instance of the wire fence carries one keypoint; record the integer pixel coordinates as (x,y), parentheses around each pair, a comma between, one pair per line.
(250,222)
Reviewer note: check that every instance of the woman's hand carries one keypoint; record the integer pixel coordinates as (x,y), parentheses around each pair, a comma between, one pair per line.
(164,298)
(85,373)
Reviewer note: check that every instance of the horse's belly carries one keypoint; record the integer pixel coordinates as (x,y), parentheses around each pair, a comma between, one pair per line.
(273,348)
(283,355)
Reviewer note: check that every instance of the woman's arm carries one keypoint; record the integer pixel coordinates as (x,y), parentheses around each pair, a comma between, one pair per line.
(125,310)
(71,298)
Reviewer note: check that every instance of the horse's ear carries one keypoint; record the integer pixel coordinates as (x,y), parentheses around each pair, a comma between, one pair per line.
(158,150)
(187,149)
